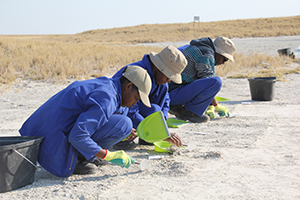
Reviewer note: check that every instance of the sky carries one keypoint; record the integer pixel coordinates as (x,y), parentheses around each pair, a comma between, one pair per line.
(34,17)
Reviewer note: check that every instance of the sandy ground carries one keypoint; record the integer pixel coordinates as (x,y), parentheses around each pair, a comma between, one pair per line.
(254,155)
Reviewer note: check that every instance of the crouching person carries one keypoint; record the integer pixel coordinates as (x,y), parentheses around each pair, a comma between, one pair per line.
(85,119)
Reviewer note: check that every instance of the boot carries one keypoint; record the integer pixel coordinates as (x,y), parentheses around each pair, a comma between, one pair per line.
(124,145)
(143,142)
(84,168)
(186,115)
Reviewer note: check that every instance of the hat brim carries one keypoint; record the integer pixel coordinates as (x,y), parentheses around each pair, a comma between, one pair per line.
(175,77)
(220,51)
(145,99)
(230,57)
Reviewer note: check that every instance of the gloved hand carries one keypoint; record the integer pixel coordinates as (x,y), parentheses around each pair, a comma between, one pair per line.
(210,111)
(119,157)
(222,110)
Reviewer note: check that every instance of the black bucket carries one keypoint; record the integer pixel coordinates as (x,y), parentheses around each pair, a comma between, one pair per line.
(262,89)
(284,52)
(18,157)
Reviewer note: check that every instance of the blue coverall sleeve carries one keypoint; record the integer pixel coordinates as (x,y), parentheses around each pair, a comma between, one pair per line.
(166,106)
(99,107)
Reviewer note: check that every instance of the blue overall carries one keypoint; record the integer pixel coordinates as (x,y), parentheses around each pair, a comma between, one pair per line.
(196,96)
(81,119)
(199,86)
(159,96)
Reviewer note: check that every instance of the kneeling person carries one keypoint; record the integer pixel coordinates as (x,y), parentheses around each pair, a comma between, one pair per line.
(199,87)
(85,119)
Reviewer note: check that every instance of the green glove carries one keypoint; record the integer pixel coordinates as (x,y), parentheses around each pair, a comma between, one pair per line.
(119,157)
(211,112)
(222,110)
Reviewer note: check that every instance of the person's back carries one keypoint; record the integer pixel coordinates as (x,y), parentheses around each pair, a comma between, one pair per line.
(70,103)
(200,56)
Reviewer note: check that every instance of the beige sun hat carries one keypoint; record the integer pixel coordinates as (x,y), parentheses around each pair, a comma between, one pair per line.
(141,79)
(170,61)
(225,47)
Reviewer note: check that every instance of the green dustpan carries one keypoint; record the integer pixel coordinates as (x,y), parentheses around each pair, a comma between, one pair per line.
(221,99)
(162,147)
(175,123)
(153,128)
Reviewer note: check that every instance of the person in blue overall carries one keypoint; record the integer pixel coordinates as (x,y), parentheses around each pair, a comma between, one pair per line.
(199,87)
(162,68)
(85,119)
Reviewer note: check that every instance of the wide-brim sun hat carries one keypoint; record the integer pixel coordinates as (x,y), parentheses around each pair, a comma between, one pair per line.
(225,47)
(170,61)
(141,79)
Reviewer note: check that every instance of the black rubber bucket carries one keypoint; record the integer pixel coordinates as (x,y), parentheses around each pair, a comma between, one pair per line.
(284,52)
(18,157)
(262,89)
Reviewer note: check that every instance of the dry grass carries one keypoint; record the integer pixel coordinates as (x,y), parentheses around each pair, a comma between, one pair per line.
(92,53)
(257,65)
(56,61)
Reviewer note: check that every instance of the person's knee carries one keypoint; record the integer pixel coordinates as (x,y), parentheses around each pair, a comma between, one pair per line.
(125,125)
(145,111)
(218,82)
(120,129)
(118,126)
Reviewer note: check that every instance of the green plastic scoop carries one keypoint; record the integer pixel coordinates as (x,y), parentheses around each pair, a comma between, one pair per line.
(153,128)
(175,123)
(162,146)
(221,99)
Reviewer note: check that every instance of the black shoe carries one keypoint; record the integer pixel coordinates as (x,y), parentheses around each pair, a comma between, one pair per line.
(198,119)
(174,109)
(99,162)
(143,142)
(125,145)
(186,115)
(84,168)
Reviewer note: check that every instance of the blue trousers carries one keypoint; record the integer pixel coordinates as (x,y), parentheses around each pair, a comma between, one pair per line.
(196,96)
(115,130)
